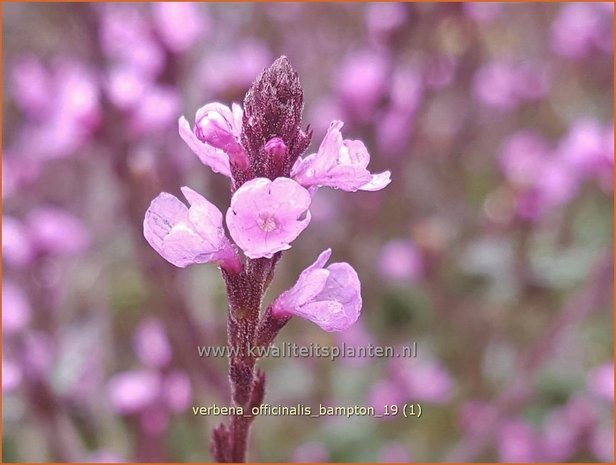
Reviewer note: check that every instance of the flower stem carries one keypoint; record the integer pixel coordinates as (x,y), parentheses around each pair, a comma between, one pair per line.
(245,291)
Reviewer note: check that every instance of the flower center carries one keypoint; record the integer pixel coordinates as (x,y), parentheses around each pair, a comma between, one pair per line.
(267,223)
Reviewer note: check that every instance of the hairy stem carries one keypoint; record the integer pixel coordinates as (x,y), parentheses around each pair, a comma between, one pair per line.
(245,292)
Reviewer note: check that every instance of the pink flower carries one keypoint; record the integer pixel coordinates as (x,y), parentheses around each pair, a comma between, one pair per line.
(184,236)
(156,109)
(579,28)
(385,393)
(586,149)
(266,216)
(341,164)
(400,261)
(361,82)
(177,391)
(132,391)
(503,84)
(180,24)
(11,376)
(385,18)
(601,381)
(220,127)
(425,381)
(126,38)
(16,308)
(57,232)
(228,71)
(215,137)
(517,442)
(151,343)
(482,12)
(16,247)
(523,157)
(125,86)
(30,83)
(329,297)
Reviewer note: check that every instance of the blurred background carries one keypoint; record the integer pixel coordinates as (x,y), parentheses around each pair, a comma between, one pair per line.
(491,249)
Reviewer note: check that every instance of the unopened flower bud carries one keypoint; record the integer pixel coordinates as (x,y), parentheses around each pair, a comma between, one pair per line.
(213,128)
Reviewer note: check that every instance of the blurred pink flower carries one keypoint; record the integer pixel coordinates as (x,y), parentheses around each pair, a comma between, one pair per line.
(210,155)
(15,308)
(16,244)
(383,18)
(400,261)
(601,381)
(184,236)
(483,12)
(151,343)
(235,69)
(424,381)
(385,394)
(266,216)
(518,442)
(588,148)
(329,297)
(581,27)
(503,84)
(11,376)
(132,391)
(542,177)
(523,156)
(394,132)
(177,391)
(126,38)
(341,164)
(361,83)
(69,116)
(220,127)
(55,231)
(395,126)
(180,24)
(125,86)
(156,110)
(30,84)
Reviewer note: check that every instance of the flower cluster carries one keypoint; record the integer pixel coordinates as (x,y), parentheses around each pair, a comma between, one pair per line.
(260,149)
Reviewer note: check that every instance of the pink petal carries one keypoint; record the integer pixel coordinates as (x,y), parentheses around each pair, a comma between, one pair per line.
(378,182)
(184,236)
(266,216)
(214,158)
(340,164)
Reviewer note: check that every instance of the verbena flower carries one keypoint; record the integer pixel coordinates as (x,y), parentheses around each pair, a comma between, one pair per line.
(341,164)
(266,216)
(210,155)
(184,236)
(329,297)
(260,149)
